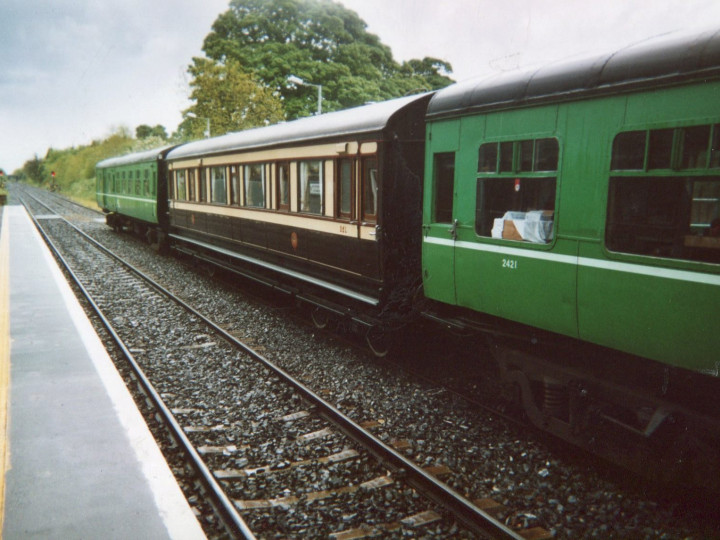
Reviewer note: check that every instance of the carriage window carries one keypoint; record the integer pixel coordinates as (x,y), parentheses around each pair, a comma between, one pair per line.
(181,190)
(370,189)
(234,185)
(444,181)
(146,181)
(283,186)
(255,185)
(202,185)
(487,157)
(218,187)
(629,151)
(191,184)
(694,147)
(526,155)
(672,216)
(310,193)
(506,156)
(345,189)
(516,208)
(546,155)
(660,149)
(515,199)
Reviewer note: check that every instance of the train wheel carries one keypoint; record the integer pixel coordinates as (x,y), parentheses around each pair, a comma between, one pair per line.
(319,318)
(378,342)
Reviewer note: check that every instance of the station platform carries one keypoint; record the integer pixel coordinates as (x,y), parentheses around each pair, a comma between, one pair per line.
(79,460)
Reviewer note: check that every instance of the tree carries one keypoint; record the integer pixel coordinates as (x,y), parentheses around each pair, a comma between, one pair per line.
(143,131)
(35,170)
(322,42)
(229,97)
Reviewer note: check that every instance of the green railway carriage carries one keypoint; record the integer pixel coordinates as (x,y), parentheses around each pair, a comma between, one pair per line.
(132,190)
(583,198)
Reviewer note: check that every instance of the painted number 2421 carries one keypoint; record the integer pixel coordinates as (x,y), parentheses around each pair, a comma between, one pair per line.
(512,264)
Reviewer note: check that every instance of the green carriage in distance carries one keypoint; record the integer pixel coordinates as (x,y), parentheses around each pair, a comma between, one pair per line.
(132,191)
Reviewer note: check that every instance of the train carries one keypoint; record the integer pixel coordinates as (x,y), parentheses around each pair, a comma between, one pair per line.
(570,212)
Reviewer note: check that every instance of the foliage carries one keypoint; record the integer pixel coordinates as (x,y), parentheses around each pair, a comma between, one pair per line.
(321,42)
(144,131)
(148,143)
(75,167)
(34,170)
(229,97)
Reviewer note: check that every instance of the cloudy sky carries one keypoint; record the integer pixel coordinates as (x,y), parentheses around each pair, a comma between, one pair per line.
(74,70)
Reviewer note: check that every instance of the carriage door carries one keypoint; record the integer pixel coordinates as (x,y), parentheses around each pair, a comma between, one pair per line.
(440,230)
(106,186)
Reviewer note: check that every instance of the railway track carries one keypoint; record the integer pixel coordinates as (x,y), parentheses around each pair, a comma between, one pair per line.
(504,471)
(275,457)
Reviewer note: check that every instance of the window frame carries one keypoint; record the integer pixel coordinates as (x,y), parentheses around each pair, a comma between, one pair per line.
(339,213)
(301,178)
(247,185)
(202,192)
(192,174)
(216,182)
(178,191)
(281,205)
(370,218)
(663,203)
(235,183)
(537,174)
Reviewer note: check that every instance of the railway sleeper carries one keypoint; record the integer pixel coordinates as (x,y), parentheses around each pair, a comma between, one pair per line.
(630,427)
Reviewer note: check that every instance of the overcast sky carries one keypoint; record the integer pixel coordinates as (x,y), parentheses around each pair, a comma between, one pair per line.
(74,70)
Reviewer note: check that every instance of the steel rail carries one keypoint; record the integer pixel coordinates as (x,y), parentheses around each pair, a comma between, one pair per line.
(473,518)
(223,505)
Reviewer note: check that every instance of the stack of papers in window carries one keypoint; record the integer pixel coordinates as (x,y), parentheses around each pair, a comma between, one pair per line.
(534,226)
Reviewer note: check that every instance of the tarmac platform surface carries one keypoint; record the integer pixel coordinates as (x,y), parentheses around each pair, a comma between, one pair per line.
(79,459)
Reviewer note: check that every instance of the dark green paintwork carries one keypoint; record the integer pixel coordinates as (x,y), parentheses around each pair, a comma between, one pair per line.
(135,197)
